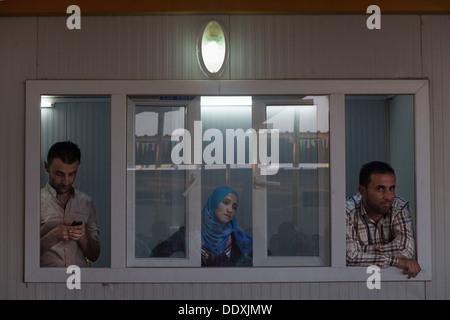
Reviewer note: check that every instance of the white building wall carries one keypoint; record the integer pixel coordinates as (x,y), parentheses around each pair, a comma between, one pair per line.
(436,66)
(261,47)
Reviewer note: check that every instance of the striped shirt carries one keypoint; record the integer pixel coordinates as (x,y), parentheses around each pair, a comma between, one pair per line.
(381,243)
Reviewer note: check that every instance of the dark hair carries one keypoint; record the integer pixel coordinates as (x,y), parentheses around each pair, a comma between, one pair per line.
(67,151)
(373,167)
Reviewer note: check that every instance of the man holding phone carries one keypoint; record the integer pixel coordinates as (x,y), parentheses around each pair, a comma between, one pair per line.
(69,230)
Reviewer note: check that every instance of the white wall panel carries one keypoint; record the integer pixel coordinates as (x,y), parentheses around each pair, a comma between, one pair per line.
(17,63)
(286,47)
(262,47)
(436,66)
(130,47)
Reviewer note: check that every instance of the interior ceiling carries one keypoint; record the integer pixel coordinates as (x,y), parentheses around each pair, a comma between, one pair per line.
(108,7)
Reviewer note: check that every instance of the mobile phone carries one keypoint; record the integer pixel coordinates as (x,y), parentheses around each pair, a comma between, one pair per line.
(77,223)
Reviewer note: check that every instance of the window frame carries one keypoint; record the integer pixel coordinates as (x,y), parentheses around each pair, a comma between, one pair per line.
(192,194)
(119,90)
(260,213)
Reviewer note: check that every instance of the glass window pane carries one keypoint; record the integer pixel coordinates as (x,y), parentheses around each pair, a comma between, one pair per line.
(381,128)
(298,208)
(157,207)
(226,163)
(86,122)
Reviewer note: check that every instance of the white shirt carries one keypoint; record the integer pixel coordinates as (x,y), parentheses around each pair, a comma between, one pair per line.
(80,208)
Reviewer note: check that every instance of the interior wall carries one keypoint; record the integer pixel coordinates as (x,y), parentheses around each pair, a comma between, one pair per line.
(261,47)
(401,145)
(86,122)
(365,136)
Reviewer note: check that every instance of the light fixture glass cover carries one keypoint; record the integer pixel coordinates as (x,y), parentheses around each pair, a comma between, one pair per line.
(212,49)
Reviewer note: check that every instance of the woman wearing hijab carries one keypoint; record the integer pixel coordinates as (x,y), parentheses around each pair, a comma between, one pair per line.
(223,241)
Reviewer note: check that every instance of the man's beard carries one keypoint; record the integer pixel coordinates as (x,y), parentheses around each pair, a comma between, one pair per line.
(383,208)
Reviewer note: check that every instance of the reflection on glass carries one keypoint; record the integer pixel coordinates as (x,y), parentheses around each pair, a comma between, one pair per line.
(224,243)
(221,115)
(159,205)
(298,209)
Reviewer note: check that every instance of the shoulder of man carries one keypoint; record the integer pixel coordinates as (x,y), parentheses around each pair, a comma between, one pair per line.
(353,203)
(83,198)
(400,203)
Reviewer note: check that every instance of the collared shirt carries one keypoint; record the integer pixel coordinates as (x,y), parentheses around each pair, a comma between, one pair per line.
(80,208)
(381,243)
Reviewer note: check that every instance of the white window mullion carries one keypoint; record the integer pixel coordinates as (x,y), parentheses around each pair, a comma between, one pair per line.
(130,181)
(337,179)
(118,180)
(193,191)
(259,192)
(423,183)
(32,182)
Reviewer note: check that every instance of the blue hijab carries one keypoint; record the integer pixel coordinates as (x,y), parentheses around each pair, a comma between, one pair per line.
(215,234)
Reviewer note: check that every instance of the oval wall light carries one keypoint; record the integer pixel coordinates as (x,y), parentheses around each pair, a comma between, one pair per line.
(212,49)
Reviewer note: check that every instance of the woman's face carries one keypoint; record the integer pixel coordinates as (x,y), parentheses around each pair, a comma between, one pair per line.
(227,208)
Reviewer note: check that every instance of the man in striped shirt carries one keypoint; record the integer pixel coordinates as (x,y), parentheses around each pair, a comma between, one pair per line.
(379,226)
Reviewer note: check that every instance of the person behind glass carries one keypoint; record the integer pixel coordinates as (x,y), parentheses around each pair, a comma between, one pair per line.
(379,226)
(69,230)
(223,241)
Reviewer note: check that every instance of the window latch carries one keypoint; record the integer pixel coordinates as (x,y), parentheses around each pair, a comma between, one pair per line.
(260,183)
(194,180)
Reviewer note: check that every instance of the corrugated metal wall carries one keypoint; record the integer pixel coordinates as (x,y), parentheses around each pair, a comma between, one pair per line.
(261,47)
(436,66)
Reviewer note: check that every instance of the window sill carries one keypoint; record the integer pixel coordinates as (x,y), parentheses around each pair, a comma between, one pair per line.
(228,275)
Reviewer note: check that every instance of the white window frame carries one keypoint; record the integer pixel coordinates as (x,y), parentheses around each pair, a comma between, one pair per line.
(192,192)
(119,90)
(260,243)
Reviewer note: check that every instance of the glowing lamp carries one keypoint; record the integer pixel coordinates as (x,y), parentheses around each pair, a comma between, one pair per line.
(212,49)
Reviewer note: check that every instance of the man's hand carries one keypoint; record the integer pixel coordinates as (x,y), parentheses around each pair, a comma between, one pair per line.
(77,232)
(62,231)
(58,234)
(90,248)
(410,267)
